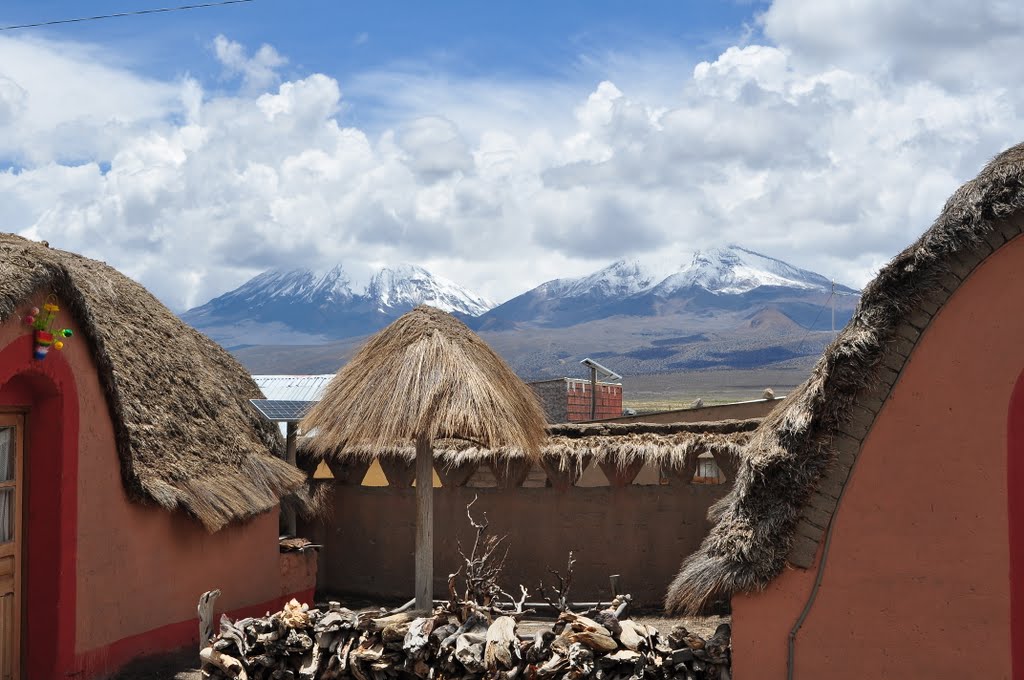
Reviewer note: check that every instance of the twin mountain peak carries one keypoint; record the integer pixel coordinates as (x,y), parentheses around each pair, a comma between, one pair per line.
(300,306)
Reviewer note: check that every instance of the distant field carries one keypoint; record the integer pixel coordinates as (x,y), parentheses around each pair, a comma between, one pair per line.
(666,391)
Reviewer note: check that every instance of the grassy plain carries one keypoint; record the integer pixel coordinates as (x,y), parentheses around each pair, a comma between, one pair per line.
(666,391)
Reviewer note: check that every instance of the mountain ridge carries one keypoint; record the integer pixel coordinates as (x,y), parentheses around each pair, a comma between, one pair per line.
(728,306)
(302,306)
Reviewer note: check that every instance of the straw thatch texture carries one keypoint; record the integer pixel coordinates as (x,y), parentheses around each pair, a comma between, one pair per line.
(185,435)
(567,445)
(425,374)
(794,447)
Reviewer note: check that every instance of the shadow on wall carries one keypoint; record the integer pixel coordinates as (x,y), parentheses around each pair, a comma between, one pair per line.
(637,522)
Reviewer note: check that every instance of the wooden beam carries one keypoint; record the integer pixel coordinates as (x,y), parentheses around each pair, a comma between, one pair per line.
(424,524)
(288,513)
(593,393)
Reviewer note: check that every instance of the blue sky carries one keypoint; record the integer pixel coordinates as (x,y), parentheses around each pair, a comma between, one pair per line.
(532,39)
(498,144)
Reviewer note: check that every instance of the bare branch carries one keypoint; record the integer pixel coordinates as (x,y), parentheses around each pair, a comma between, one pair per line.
(561,591)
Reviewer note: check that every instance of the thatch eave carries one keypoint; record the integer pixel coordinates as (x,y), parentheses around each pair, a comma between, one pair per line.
(568,446)
(186,437)
(792,450)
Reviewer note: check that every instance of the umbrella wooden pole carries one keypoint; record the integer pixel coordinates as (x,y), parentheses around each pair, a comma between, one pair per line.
(424,524)
(290,524)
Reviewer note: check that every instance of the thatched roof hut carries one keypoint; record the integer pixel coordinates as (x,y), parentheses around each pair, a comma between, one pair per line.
(425,374)
(803,451)
(186,436)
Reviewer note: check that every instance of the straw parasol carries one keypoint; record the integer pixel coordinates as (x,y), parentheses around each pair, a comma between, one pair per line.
(186,435)
(425,377)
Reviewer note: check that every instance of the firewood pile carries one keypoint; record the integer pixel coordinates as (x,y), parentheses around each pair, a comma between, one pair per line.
(314,644)
(475,634)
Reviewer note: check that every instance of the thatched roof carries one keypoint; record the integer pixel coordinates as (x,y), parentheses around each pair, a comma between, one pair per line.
(674,445)
(425,374)
(796,464)
(185,435)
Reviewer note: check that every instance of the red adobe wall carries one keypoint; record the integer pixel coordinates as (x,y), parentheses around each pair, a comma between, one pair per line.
(916,584)
(130,574)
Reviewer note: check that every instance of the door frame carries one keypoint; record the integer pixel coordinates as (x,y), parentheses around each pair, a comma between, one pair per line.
(48,393)
(17,419)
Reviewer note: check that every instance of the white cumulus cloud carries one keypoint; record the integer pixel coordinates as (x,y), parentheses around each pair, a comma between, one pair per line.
(830,138)
(258,71)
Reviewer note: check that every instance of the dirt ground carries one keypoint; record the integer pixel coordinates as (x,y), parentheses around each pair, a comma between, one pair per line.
(183,665)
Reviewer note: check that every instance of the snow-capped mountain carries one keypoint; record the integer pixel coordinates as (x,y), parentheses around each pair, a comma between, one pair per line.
(736,270)
(619,279)
(300,306)
(722,307)
(406,285)
(730,277)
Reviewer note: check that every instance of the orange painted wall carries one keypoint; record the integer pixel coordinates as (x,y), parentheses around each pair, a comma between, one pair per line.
(139,567)
(916,584)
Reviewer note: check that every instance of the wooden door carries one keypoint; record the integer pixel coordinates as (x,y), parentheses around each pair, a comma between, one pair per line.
(11,459)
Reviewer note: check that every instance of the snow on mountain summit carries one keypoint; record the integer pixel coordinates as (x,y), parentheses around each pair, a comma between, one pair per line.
(330,297)
(734,270)
(725,270)
(619,279)
(408,285)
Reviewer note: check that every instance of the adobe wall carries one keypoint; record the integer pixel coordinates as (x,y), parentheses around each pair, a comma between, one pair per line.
(738,411)
(140,569)
(552,398)
(637,531)
(916,582)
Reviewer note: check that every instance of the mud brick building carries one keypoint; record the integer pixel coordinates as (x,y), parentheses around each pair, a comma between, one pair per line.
(567,400)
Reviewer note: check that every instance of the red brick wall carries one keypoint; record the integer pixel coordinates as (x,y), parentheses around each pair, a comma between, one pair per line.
(609,400)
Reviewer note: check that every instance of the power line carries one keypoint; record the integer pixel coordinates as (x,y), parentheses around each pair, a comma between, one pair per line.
(158,10)
(810,328)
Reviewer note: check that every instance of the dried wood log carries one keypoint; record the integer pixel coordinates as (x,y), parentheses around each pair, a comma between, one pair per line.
(580,623)
(607,618)
(717,646)
(595,641)
(500,642)
(368,651)
(375,624)
(233,634)
(553,666)
(470,654)
(581,661)
(231,666)
(681,637)
(342,655)
(310,666)
(205,610)
(395,632)
(417,638)
(632,637)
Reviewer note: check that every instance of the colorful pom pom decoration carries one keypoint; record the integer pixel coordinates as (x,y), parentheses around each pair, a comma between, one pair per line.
(45,335)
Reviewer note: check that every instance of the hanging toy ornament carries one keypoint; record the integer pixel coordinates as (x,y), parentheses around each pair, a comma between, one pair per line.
(45,335)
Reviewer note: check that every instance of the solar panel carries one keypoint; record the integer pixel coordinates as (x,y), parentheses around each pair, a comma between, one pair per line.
(280,411)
